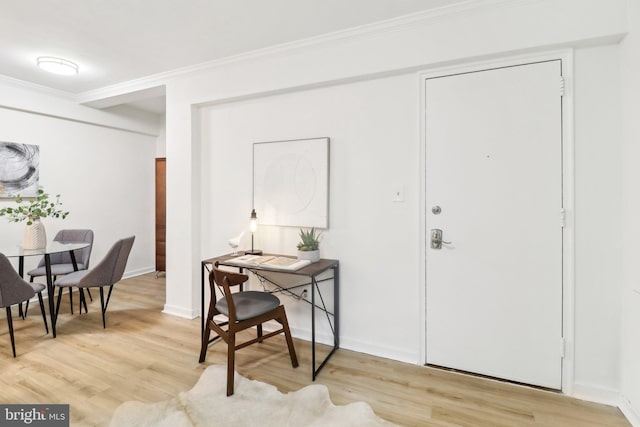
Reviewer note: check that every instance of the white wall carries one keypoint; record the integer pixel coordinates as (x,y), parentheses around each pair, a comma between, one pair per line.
(373,123)
(374,147)
(630,73)
(161,140)
(105,177)
(598,222)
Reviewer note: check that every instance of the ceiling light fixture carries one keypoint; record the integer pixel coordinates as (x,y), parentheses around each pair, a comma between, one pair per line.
(57,65)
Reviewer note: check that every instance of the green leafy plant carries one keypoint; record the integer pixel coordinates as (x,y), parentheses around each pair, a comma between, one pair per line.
(309,240)
(41,206)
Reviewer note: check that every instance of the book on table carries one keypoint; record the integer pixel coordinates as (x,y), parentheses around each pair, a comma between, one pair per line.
(273,262)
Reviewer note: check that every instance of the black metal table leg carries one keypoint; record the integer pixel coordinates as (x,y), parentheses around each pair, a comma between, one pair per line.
(21,272)
(73,261)
(333,325)
(313,328)
(80,291)
(50,292)
(336,308)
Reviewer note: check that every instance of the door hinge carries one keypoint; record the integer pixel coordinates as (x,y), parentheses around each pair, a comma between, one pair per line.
(561,86)
(563,218)
(562,347)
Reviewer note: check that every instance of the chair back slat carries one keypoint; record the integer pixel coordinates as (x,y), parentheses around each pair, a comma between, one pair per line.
(226,279)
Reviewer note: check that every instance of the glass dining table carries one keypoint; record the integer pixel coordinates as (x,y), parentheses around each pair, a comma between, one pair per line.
(17,251)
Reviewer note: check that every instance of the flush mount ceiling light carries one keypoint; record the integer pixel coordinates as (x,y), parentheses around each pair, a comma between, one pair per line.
(57,65)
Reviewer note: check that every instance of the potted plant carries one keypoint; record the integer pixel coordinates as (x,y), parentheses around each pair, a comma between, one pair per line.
(309,245)
(31,210)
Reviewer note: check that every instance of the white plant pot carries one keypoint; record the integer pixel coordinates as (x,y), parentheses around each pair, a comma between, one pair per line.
(312,256)
(35,236)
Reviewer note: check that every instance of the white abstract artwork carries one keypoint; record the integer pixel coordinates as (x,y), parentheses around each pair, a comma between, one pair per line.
(19,169)
(291,182)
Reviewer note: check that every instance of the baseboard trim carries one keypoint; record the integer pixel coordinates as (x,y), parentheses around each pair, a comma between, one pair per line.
(347,344)
(300,333)
(629,412)
(138,272)
(591,393)
(305,334)
(183,312)
(380,351)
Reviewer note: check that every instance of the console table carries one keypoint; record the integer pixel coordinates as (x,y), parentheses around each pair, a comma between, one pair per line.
(312,273)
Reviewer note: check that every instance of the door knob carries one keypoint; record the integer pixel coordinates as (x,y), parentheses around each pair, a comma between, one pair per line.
(436,239)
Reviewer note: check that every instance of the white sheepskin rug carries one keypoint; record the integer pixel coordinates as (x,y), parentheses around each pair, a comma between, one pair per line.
(253,404)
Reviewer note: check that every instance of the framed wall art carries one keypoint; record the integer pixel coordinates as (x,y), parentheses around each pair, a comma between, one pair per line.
(291,182)
(19,169)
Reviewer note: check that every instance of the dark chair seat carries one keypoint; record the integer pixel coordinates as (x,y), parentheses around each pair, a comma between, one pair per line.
(249,304)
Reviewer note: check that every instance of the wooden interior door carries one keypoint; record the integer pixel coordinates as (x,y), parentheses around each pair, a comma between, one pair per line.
(161,212)
(494,189)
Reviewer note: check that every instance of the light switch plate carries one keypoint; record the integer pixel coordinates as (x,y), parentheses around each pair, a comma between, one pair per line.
(398,194)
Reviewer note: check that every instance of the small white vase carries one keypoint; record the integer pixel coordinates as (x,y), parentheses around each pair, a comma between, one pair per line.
(35,236)
(312,256)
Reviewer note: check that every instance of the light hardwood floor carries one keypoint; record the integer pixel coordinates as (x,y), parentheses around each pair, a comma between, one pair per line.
(149,356)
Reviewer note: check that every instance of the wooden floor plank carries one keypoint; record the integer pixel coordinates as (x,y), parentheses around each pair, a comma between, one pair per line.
(149,356)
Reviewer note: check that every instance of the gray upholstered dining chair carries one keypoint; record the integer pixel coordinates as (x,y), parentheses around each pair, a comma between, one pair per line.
(107,272)
(62,264)
(15,290)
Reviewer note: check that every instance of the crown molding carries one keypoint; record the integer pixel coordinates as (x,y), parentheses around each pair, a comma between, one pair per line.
(36,87)
(362,31)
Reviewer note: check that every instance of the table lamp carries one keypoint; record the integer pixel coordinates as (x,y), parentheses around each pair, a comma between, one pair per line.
(253,227)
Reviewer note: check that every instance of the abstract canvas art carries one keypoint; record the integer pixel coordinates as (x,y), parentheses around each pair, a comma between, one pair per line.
(291,182)
(19,169)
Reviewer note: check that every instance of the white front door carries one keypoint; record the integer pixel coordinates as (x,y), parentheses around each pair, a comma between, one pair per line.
(494,188)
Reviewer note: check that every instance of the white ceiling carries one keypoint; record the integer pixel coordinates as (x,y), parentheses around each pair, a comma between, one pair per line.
(114,41)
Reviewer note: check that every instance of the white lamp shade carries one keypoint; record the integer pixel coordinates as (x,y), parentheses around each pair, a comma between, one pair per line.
(253,225)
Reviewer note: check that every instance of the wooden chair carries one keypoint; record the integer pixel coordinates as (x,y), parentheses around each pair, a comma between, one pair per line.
(243,310)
